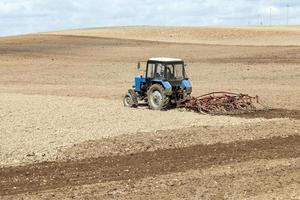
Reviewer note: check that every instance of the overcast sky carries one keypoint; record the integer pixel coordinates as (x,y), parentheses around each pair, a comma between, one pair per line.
(25,16)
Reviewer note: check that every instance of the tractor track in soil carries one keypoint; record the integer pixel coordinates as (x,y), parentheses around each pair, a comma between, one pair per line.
(272,114)
(52,175)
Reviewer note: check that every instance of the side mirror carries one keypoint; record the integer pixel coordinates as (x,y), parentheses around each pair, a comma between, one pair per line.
(139,66)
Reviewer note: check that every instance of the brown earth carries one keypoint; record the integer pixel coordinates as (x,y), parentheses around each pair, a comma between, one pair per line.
(65,133)
(251,36)
(273,113)
(52,175)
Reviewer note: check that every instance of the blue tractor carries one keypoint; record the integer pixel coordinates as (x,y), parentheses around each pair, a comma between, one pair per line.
(164,85)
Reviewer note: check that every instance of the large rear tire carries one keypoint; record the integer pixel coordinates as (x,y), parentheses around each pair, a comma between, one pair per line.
(157,100)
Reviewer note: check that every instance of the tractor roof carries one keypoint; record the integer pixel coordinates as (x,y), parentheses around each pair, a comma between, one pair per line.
(162,59)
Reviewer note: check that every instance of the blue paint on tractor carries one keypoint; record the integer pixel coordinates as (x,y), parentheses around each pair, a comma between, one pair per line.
(166,85)
(138,82)
(185,84)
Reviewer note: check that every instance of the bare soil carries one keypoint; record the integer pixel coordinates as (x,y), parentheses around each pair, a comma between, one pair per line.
(272,113)
(66,135)
(133,167)
(251,36)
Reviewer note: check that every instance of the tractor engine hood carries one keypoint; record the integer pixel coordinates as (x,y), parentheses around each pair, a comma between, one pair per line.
(175,83)
(183,84)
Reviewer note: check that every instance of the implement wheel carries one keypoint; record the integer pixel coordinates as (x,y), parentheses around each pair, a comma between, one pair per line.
(157,99)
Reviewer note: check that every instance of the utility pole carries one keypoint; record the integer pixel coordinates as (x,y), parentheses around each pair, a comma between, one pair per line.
(260,20)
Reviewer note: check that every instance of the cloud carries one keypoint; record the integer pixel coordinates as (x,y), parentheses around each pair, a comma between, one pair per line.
(25,16)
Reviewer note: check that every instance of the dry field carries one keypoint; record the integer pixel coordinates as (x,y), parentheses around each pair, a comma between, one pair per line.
(66,135)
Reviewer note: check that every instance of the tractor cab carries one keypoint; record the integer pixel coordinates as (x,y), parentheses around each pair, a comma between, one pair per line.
(167,69)
(165,83)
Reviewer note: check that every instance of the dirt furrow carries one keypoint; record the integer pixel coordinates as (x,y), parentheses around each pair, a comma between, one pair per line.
(51,175)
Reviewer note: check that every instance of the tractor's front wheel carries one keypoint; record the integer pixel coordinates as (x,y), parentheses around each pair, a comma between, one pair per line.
(157,99)
(128,101)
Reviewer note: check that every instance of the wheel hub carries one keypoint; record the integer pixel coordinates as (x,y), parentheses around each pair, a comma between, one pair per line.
(157,97)
(128,100)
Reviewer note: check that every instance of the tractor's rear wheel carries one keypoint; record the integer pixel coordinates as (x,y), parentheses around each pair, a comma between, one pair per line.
(157,100)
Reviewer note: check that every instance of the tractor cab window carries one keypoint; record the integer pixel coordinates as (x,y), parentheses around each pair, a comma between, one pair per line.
(150,70)
(175,71)
(156,70)
(160,71)
(178,71)
(169,71)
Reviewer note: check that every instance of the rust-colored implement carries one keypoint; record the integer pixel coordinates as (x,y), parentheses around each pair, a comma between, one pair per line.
(220,103)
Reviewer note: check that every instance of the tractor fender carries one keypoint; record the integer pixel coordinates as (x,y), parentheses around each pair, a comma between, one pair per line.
(167,86)
(186,85)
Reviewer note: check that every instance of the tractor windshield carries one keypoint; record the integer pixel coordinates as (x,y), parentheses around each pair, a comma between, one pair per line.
(175,71)
(168,71)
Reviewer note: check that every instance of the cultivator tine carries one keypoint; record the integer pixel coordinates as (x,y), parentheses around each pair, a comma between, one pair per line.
(220,103)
